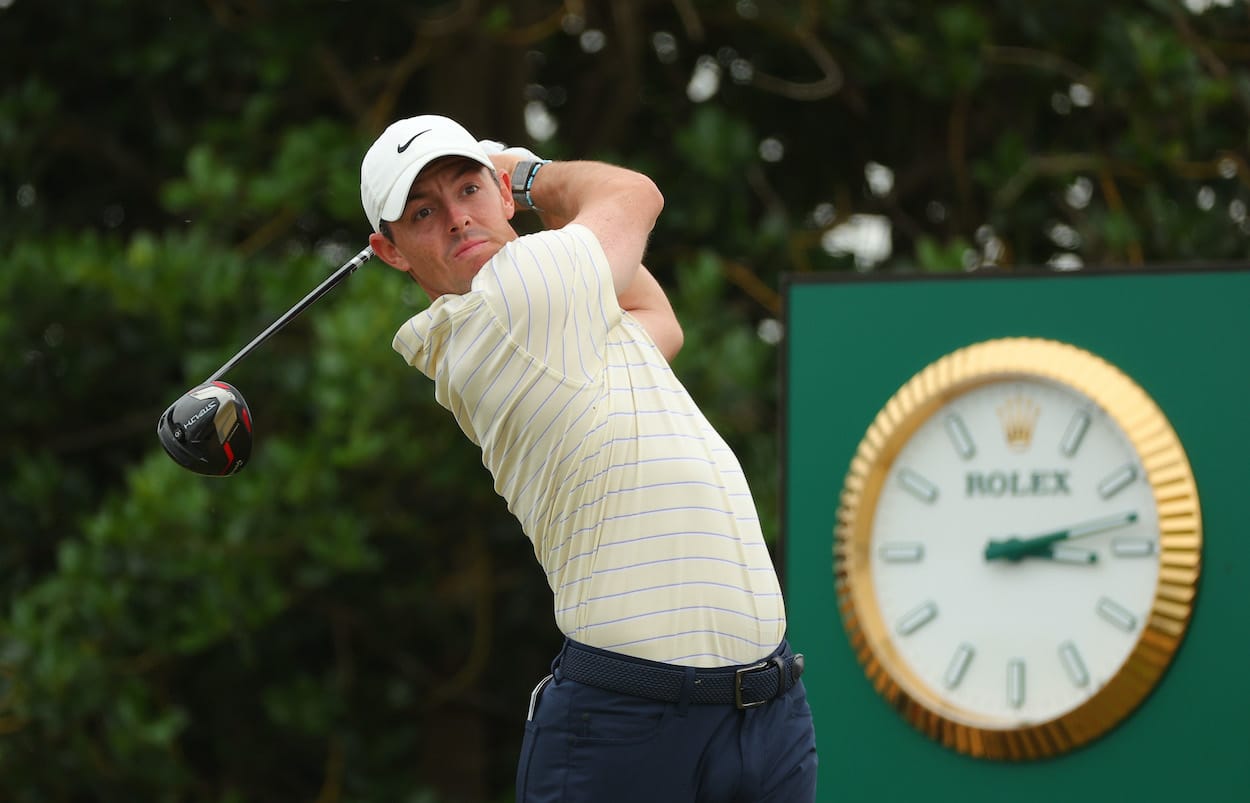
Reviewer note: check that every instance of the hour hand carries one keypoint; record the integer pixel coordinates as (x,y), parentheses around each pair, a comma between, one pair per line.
(1016,549)
(1044,545)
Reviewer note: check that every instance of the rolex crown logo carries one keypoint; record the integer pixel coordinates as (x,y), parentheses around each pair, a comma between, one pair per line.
(1018,415)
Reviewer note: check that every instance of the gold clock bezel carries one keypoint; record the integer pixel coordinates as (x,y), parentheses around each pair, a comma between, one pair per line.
(1180,543)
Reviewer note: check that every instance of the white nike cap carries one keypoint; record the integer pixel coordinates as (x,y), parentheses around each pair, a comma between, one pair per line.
(401,152)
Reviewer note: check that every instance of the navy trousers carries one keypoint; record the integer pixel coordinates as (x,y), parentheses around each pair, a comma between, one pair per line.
(586,745)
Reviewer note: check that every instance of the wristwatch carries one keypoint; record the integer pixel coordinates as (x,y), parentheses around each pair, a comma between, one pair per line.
(523,181)
(1017,548)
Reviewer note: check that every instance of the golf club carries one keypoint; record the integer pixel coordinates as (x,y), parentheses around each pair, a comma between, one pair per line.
(209,429)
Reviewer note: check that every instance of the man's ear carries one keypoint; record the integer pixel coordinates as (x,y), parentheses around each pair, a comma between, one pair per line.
(505,187)
(386,250)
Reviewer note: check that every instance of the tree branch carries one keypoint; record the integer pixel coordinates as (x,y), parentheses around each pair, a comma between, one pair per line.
(1038,59)
(1111,191)
(1212,62)
(1056,164)
(827,85)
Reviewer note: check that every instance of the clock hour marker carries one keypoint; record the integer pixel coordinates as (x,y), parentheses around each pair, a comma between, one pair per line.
(1015,683)
(901,552)
(1073,664)
(1074,434)
(958,665)
(1117,615)
(917,485)
(917,618)
(1132,547)
(959,436)
(1117,481)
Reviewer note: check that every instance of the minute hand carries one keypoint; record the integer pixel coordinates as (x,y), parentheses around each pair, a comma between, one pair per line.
(1016,548)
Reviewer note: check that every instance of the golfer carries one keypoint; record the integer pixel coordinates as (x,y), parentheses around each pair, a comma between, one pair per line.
(675,682)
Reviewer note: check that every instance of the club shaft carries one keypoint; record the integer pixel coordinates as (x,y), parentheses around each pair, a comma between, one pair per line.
(331,281)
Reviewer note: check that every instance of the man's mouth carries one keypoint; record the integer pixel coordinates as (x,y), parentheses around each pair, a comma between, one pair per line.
(468,245)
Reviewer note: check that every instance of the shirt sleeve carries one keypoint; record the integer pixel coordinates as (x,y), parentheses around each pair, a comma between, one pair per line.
(553,293)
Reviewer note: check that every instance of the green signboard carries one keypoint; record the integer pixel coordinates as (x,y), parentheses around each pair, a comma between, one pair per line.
(1182,337)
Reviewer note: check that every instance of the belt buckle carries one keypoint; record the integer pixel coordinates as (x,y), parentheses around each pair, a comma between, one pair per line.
(738,674)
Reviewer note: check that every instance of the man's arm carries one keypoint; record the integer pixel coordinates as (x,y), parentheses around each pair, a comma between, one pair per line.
(646,301)
(620,207)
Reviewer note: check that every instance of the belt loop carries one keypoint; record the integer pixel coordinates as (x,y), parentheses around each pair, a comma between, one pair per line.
(687,691)
(559,659)
(782,686)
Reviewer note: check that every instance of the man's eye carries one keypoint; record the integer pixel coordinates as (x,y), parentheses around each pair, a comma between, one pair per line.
(423,213)
(470,189)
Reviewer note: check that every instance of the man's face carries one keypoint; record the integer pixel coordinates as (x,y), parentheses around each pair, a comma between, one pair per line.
(455,220)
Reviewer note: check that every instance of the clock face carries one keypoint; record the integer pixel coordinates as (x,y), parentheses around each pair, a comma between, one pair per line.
(1027,638)
(1018,548)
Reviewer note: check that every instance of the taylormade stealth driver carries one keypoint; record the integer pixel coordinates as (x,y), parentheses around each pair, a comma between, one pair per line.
(209,429)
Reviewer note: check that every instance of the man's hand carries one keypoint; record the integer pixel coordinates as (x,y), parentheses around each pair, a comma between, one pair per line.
(492,147)
(505,158)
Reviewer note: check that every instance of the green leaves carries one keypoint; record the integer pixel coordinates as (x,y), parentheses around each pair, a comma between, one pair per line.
(715,145)
(313,170)
(935,257)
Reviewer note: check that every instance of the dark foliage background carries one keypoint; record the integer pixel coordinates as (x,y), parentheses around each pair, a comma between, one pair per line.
(356,617)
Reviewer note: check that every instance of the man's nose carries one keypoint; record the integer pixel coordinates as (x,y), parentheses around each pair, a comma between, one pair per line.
(458,217)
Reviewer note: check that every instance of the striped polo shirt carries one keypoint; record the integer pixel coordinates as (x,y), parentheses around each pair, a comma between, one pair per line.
(637,509)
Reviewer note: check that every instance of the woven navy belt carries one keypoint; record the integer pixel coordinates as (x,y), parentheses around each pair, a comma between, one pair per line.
(740,686)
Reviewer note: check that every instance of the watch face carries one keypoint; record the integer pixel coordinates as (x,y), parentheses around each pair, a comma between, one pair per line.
(1017,548)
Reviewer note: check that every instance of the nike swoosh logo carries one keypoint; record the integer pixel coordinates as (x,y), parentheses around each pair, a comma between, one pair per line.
(404,147)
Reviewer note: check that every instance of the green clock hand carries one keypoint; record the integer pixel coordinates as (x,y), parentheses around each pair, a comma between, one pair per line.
(1016,548)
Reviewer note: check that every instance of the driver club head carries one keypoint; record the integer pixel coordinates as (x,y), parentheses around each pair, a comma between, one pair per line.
(208,430)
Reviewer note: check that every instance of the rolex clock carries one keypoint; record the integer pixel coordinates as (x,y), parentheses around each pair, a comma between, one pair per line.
(1017,548)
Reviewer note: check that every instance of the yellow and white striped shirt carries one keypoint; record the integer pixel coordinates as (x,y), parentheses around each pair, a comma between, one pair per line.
(638,510)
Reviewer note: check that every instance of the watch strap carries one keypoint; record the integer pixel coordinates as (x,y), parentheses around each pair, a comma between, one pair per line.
(523,182)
